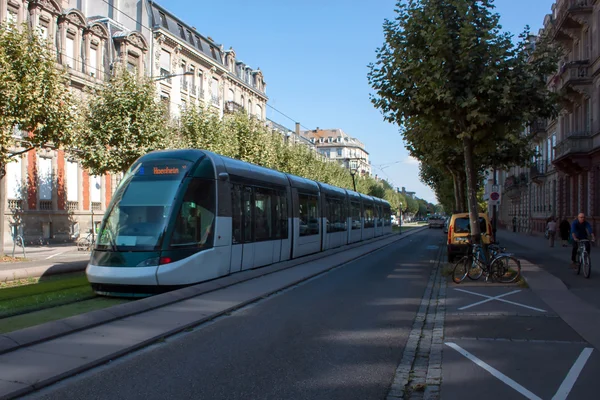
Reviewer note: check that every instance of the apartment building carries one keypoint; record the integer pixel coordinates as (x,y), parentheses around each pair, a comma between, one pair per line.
(213,77)
(337,145)
(563,179)
(49,196)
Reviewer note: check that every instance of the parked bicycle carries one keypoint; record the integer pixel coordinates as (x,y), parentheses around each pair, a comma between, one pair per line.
(583,258)
(498,265)
(86,243)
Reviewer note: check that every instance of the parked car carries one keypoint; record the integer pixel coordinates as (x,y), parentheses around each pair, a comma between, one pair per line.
(459,232)
(446,225)
(436,221)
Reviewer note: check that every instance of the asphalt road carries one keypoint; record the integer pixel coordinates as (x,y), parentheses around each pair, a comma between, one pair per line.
(339,336)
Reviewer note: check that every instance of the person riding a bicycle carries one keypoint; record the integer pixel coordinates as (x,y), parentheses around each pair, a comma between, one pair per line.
(580,230)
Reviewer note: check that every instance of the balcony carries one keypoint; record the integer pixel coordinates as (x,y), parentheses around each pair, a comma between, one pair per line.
(215,100)
(537,127)
(164,72)
(233,107)
(571,17)
(571,152)
(184,85)
(193,90)
(537,171)
(575,75)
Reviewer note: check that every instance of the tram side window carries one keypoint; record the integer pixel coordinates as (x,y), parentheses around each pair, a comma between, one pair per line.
(336,218)
(237,221)
(387,216)
(309,214)
(369,216)
(194,225)
(247,211)
(280,212)
(355,213)
(263,214)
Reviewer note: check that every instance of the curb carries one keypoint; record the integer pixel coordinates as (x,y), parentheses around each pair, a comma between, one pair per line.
(46,270)
(51,330)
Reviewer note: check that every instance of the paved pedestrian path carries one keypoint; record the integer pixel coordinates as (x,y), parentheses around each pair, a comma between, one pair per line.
(555,260)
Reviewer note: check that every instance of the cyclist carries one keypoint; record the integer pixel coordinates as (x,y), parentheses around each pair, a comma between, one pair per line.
(580,229)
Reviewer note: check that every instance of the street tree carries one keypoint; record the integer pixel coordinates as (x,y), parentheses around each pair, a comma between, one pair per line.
(445,65)
(34,95)
(35,100)
(122,121)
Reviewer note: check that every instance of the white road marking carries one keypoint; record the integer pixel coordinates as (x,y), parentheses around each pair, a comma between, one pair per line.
(494,372)
(498,298)
(54,255)
(566,386)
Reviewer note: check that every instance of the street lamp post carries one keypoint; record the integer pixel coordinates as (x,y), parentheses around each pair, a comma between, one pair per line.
(160,78)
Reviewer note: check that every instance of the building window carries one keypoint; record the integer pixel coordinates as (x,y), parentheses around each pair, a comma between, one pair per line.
(199,43)
(163,20)
(70,52)
(165,62)
(45,178)
(215,90)
(166,103)
(258,111)
(11,18)
(190,37)
(181,32)
(43,31)
(14,180)
(132,63)
(230,95)
(111,9)
(95,187)
(72,181)
(93,67)
(339,152)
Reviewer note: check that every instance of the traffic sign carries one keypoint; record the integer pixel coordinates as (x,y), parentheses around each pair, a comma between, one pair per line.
(494,199)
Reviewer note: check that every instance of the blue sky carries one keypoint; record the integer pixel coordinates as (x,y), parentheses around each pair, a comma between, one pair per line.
(314,56)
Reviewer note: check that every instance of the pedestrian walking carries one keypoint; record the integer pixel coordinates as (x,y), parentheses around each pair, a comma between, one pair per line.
(565,230)
(551,229)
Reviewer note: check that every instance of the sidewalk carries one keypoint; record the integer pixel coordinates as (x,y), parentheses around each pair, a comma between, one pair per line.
(43,260)
(556,261)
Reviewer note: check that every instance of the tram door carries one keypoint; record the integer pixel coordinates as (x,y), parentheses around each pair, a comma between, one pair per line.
(242,252)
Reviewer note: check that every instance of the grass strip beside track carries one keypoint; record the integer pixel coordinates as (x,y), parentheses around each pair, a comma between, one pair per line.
(17,322)
(46,293)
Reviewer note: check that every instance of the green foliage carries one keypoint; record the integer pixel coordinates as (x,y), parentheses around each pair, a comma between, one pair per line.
(34,95)
(413,205)
(122,121)
(457,85)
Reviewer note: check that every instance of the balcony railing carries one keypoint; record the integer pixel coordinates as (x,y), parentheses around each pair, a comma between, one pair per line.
(72,205)
(193,90)
(575,72)
(232,107)
(46,205)
(538,170)
(510,182)
(538,126)
(164,72)
(215,100)
(574,144)
(184,85)
(15,205)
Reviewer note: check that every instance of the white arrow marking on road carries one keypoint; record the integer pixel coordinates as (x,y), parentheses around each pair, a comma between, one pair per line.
(494,372)
(567,385)
(499,298)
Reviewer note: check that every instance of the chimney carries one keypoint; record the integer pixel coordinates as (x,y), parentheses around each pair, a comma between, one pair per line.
(298,128)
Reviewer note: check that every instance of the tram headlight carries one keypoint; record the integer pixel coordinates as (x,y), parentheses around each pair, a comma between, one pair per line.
(151,262)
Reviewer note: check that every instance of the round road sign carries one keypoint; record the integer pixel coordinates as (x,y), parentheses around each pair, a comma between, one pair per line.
(494,196)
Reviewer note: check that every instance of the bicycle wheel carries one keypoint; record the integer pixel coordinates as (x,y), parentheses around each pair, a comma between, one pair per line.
(461,269)
(506,269)
(474,271)
(579,262)
(586,263)
(19,241)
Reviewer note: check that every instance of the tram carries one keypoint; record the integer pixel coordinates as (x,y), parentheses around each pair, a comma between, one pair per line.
(180,217)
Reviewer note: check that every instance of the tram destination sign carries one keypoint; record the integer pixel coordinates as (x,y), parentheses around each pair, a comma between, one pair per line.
(163,168)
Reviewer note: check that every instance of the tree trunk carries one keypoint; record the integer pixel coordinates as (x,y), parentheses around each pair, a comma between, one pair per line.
(456,191)
(462,206)
(471,176)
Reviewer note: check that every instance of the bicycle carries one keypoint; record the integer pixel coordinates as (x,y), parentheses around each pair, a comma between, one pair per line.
(501,267)
(86,243)
(583,258)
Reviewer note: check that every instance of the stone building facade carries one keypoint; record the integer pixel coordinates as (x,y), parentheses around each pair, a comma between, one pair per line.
(50,198)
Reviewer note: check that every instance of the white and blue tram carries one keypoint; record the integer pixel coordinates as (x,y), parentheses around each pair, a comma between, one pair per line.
(180,217)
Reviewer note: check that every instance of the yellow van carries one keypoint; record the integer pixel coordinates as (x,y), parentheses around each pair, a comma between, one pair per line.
(459,232)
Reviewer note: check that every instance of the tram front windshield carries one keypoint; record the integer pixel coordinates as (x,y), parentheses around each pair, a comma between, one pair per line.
(141,206)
